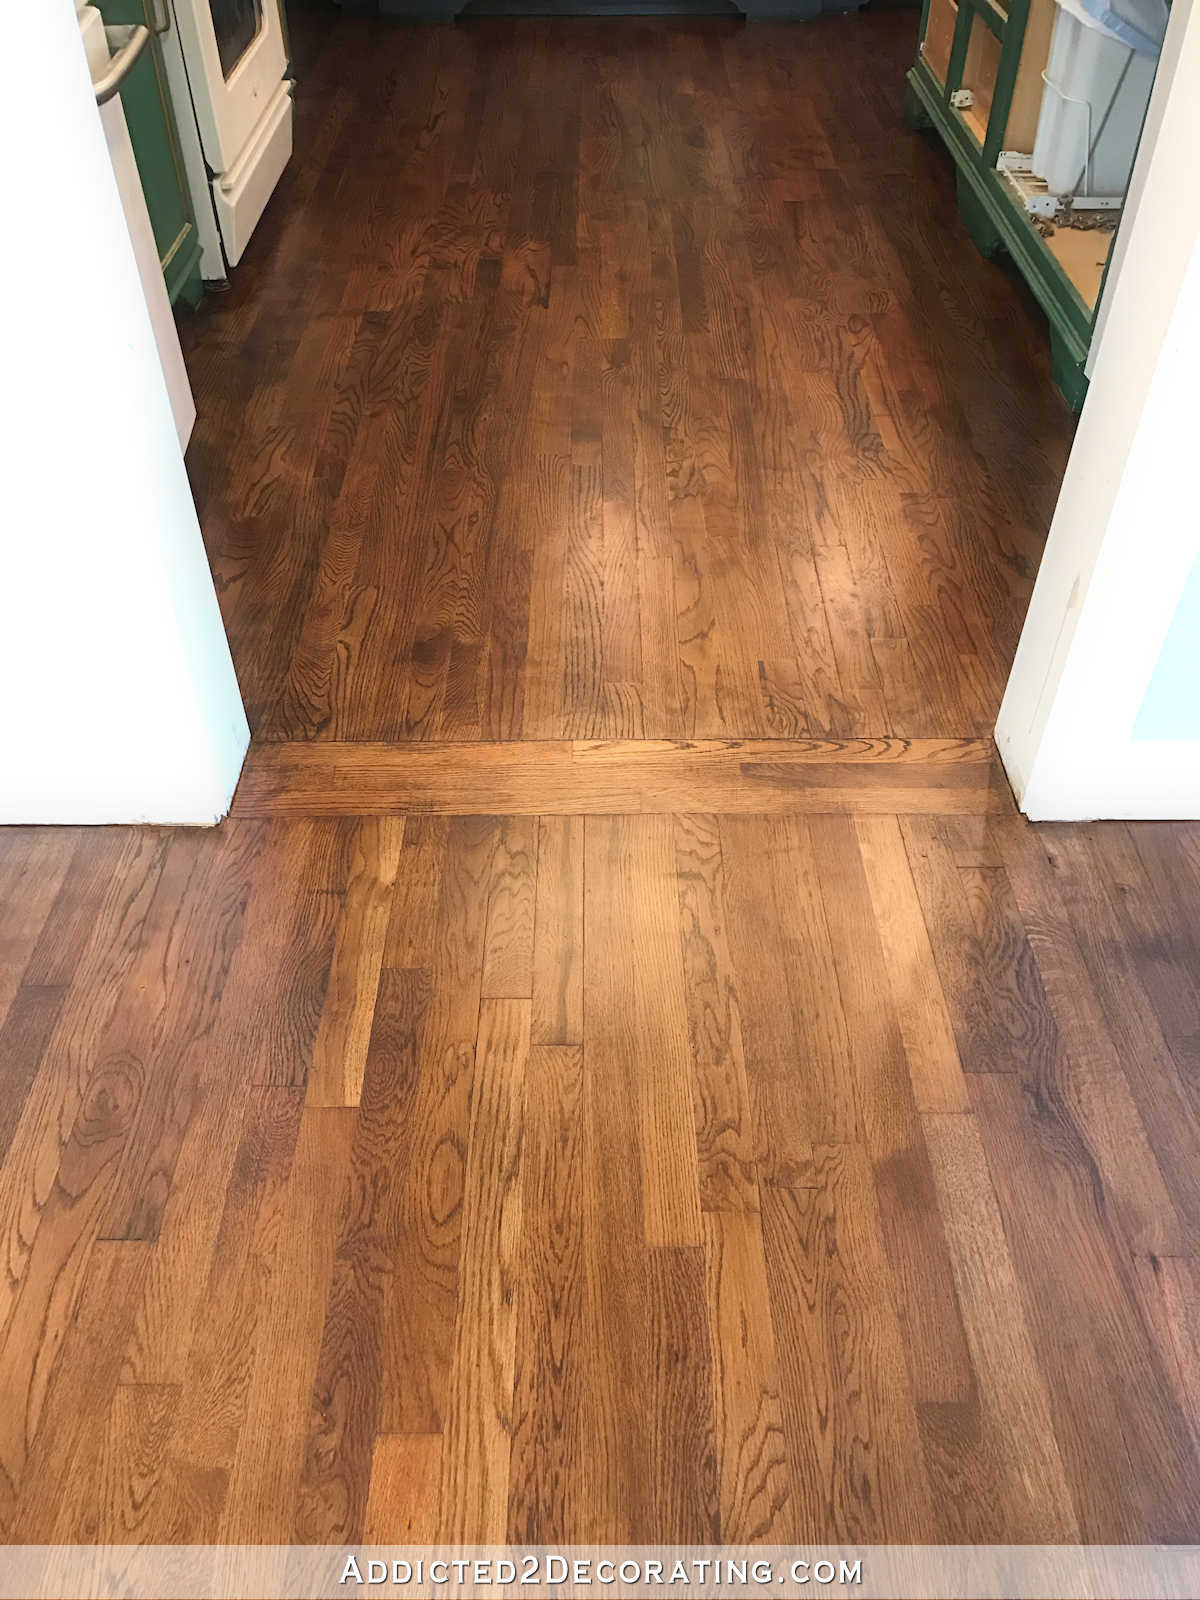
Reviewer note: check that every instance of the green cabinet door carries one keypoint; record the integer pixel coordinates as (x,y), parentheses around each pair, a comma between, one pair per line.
(151,121)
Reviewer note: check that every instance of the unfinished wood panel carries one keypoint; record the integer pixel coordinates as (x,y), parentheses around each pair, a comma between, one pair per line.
(1083,255)
(939,36)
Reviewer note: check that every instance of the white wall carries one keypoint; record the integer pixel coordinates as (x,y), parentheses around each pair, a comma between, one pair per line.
(1126,531)
(120,698)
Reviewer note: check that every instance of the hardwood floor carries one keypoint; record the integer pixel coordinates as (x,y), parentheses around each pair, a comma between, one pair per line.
(620,380)
(704,1176)
(624,1071)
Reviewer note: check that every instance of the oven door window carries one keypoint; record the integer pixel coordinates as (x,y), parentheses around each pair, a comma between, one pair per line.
(236,24)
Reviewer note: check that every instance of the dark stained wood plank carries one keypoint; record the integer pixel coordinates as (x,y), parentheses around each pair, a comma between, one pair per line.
(994,1460)
(33,866)
(26,1031)
(478,1425)
(289,948)
(1167,1103)
(1002,1019)
(1154,886)
(347,1395)
(1171,1286)
(1105,1376)
(617,1503)
(1092,1088)
(211,1412)
(263,1485)
(685,1463)
(549,1451)
(782,1109)
(848,1411)
(170,1055)
(412,923)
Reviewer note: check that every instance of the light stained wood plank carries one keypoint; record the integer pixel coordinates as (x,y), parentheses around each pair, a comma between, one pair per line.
(1171,1285)
(911,1225)
(405,1484)
(756,1474)
(634,964)
(61,1444)
(508,941)
(129,1469)
(344,1031)
(921,1012)
(725,1144)
(418,1327)
(557,993)
(415,893)
(583,777)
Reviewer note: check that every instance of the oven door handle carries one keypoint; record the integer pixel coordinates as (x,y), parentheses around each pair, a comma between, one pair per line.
(121,65)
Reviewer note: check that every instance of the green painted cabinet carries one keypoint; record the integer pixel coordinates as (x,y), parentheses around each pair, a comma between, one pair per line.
(155,140)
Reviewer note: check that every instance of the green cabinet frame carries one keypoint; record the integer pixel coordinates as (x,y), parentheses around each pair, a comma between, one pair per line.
(146,102)
(992,214)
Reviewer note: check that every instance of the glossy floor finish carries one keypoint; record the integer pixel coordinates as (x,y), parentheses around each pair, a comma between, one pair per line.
(624,1071)
(621,1178)
(620,380)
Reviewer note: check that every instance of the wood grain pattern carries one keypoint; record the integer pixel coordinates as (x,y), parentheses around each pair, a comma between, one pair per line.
(340,1047)
(588,777)
(567,444)
(624,1071)
(716,1266)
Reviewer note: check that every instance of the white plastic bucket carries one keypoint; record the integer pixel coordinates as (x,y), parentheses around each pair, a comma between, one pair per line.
(1097,87)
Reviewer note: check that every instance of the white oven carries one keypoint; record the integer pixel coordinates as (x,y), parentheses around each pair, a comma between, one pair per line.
(232,66)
